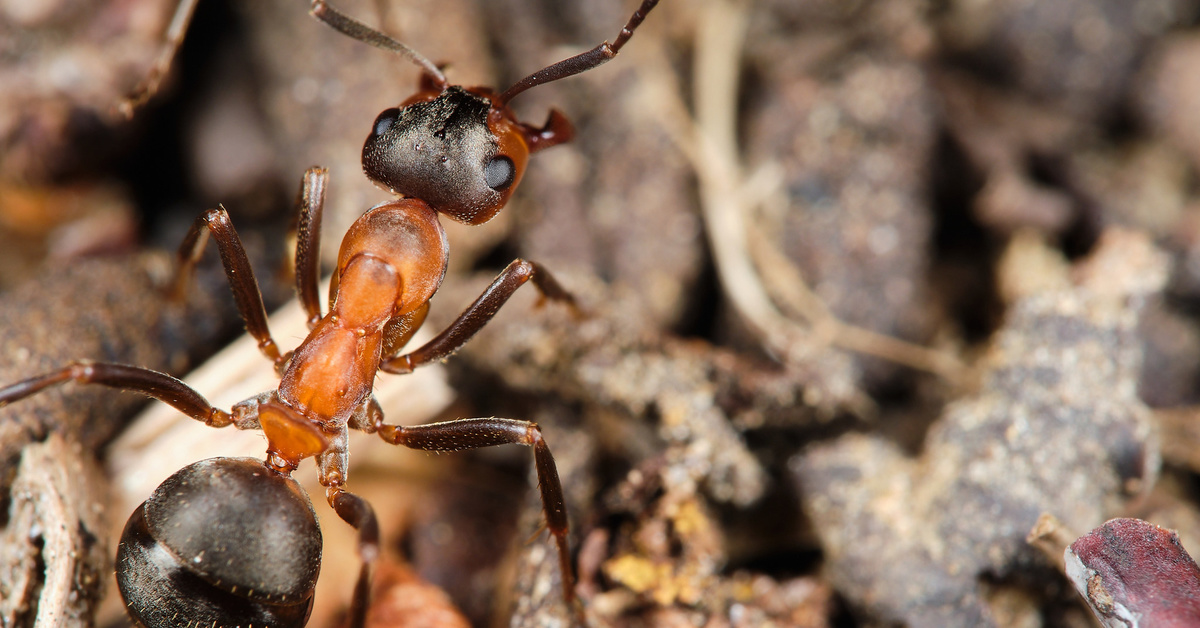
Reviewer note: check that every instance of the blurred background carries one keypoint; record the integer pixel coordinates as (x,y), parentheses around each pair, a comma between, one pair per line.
(866,288)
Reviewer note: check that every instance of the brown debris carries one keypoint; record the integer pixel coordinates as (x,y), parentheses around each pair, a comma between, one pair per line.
(1170,96)
(65,67)
(1055,427)
(46,322)
(62,223)
(854,219)
(1050,537)
(54,563)
(610,360)
(1077,55)
(401,599)
(1138,185)
(665,566)
(1001,133)
(1180,429)
(652,571)
(1172,363)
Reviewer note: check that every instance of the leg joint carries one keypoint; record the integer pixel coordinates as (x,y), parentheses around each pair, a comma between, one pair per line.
(523,269)
(82,371)
(533,433)
(216,216)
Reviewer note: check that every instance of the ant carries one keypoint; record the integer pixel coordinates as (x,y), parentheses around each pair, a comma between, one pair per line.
(234,541)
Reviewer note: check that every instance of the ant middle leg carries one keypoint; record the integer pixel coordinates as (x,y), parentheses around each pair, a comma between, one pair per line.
(150,383)
(479,314)
(240,275)
(464,434)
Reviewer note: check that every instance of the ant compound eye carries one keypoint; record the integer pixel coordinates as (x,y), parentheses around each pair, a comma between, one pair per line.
(499,173)
(385,121)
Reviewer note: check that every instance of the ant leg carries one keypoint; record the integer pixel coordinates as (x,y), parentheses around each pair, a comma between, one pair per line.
(479,314)
(357,512)
(311,204)
(137,379)
(237,270)
(463,434)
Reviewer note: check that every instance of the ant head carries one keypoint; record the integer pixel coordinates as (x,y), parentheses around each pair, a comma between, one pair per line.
(460,150)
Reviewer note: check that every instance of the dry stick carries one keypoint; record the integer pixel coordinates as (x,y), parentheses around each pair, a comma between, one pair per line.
(718,42)
(1050,537)
(1180,435)
(727,198)
(789,286)
(148,87)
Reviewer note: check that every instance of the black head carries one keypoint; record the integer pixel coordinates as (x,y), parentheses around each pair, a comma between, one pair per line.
(444,151)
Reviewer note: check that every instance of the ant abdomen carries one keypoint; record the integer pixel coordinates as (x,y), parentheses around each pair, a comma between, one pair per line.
(223,542)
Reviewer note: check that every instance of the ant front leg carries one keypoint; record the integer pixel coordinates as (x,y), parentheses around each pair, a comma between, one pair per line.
(464,434)
(311,205)
(479,314)
(237,270)
(150,383)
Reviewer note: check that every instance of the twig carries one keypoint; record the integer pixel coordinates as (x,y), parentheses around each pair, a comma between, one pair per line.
(709,142)
(1051,538)
(148,86)
(785,282)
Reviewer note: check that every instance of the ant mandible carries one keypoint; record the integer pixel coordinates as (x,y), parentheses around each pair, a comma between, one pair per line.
(446,150)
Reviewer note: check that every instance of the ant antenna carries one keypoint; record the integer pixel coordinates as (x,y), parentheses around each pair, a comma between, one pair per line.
(581,62)
(357,30)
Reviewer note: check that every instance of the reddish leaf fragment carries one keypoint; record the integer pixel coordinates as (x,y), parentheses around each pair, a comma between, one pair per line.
(1134,573)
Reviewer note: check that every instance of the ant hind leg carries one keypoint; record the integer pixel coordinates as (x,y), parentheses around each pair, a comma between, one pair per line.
(356,511)
(464,434)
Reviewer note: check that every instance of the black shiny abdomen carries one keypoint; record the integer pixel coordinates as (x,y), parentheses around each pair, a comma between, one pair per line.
(223,542)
